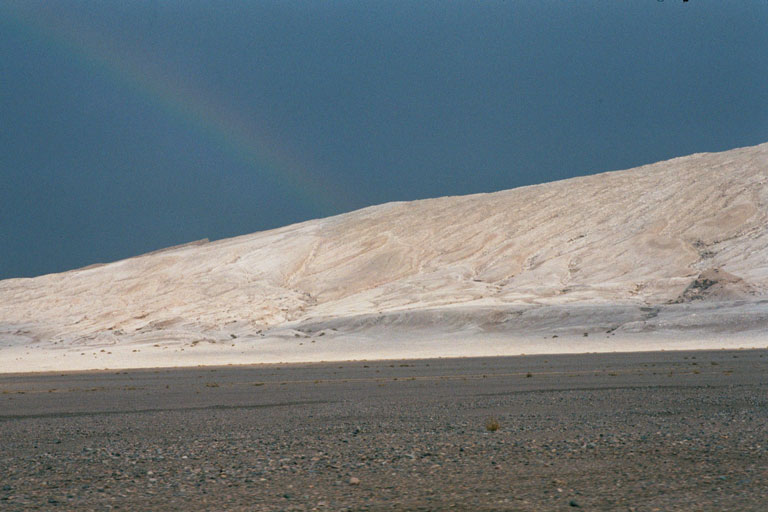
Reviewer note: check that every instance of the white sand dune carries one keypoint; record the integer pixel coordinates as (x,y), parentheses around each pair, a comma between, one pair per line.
(669,255)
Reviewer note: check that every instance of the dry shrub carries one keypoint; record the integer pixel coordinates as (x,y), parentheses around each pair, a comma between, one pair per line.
(492,425)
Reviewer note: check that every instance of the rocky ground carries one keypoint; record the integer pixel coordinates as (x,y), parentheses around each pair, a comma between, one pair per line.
(642,431)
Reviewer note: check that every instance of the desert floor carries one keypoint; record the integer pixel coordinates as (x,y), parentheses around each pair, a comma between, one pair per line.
(630,431)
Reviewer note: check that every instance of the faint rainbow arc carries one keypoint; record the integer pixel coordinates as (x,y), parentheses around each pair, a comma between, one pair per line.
(217,123)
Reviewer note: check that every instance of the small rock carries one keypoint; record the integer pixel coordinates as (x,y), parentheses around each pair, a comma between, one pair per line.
(354,481)
(574,504)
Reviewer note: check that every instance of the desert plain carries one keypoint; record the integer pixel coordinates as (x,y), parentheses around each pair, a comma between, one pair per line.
(632,432)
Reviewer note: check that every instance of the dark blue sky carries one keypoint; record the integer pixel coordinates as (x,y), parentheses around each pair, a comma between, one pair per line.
(130,126)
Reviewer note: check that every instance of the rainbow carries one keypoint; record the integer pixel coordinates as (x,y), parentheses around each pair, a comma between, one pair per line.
(218,123)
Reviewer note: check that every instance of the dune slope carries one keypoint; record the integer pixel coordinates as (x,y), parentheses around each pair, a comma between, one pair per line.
(677,248)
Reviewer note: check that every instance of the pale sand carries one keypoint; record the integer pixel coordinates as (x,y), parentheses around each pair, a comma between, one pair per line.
(485,274)
(40,357)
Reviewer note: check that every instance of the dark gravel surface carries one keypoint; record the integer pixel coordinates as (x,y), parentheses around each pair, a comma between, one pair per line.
(645,431)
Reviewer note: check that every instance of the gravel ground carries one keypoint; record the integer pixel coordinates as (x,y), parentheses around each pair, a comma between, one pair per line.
(643,431)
